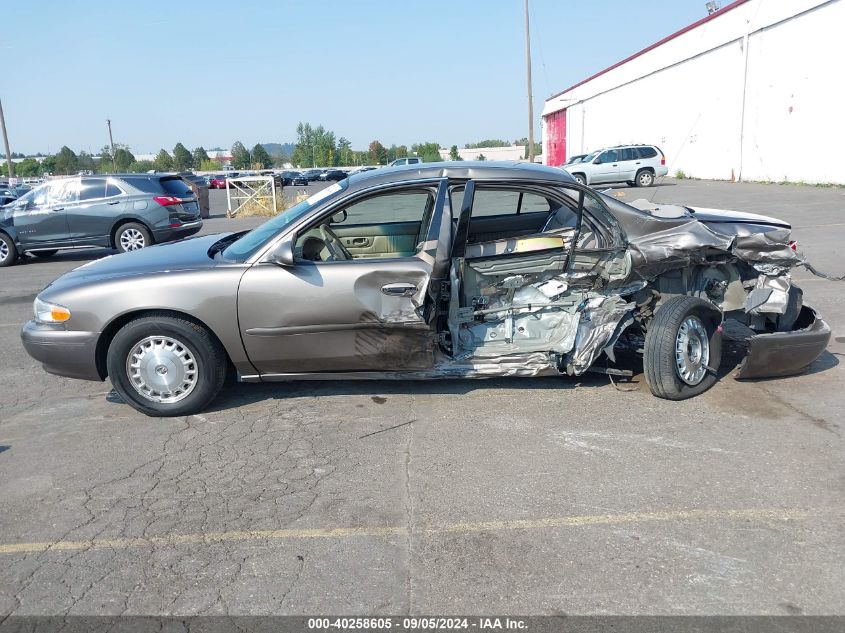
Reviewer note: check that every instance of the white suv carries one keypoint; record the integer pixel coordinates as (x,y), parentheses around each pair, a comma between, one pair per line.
(638,165)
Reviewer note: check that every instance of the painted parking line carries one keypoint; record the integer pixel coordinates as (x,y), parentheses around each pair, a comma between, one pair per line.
(751,514)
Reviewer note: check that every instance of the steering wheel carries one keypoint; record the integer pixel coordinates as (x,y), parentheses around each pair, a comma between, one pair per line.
(336,248)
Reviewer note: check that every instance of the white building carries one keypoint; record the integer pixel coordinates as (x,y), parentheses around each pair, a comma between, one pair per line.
(751,92)
(511,152)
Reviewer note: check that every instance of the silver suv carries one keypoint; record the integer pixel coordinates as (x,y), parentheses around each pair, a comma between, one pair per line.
(638,165)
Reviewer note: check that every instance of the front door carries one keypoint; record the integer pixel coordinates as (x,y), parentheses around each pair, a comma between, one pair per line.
(41,215)
(605,167)
(367,308)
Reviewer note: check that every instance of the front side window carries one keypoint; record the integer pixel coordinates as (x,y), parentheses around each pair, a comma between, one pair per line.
(63,191)
(609,156)
(385,225)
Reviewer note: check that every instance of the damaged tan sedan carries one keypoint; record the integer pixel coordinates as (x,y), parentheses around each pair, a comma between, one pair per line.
(460,270)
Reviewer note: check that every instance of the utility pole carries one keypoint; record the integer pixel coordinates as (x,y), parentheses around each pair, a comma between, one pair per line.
(111,142)
(9,162)
(530,96)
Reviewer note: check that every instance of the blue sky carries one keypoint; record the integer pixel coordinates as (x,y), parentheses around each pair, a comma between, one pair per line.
(209,73)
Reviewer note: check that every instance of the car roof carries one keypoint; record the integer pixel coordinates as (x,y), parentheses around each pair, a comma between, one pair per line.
(461,170)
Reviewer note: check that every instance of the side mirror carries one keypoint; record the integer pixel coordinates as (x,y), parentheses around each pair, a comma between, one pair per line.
(339,217)
(283,254)
(597,161)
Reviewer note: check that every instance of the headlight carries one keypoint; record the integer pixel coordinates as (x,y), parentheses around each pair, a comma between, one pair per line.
(50,312)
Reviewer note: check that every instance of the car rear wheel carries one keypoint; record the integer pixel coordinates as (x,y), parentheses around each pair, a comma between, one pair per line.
(166,366)
(45,254)
(645,178)
(132,237)
(580,179)
(8,252)
(683,349)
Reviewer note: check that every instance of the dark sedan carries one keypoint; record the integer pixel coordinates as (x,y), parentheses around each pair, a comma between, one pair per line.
(312,174)
(333,175)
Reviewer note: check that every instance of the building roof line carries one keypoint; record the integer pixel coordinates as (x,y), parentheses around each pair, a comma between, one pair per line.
(668,38)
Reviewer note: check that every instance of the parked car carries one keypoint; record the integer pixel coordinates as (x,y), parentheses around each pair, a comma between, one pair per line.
(126,212)
(333,175)
(199,185)
(637,165)
(312,174)
(575,159)
(293,178)
(7,195)
(534,274)
(410,160)
(217,182)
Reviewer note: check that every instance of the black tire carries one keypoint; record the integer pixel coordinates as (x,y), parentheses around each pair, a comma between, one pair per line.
(208,361)
(644,178)
(45,254)
(132,236)
(580,179)
(663,372)
(8,251)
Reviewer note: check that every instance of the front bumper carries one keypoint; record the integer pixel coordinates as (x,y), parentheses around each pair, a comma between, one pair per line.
(170,234)
(62,352)
(786,353)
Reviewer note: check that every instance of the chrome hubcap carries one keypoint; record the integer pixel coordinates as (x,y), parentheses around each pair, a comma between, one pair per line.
(4,251)
(132,240)
(645,179)
(162,369)
(692,351)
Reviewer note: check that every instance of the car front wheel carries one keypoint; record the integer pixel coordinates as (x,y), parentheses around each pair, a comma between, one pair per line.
(132,237)
(166,366)
(580,179)
(8,252)
(683,349)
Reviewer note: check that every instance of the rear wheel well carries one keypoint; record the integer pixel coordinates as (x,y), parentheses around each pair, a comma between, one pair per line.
(116,228)
(112,328)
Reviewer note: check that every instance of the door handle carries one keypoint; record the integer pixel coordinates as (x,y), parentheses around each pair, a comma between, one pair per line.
(399,290)
(113,203)
(58,208)
(637,163)
(359,241)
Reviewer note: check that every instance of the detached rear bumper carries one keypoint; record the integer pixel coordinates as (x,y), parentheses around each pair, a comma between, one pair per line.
(786,353)
(62,352)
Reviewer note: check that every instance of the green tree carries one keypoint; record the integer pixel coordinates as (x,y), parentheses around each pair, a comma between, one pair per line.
(210,165)
(240,156)
(86,162)
(123,158)
(163,161)
(27,168)
(260,158)
(493,142)
(48,166)
(377,153)
(344,151)
(200,156)
(141,167)
(182,158)
(430,152)
(66,161)
(453,153)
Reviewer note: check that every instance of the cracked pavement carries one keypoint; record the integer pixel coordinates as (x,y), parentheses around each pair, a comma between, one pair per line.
(533,496)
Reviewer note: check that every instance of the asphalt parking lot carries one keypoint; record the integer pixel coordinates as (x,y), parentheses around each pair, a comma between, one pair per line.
(502,496)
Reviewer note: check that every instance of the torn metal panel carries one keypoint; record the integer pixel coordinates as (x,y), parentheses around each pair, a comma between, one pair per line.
(602,321)
(770,295)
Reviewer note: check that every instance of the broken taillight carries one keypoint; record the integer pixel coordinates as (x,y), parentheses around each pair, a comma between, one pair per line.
(793,245)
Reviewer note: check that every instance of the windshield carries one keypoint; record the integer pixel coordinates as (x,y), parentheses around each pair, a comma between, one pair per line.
(589,157)
(251,242)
